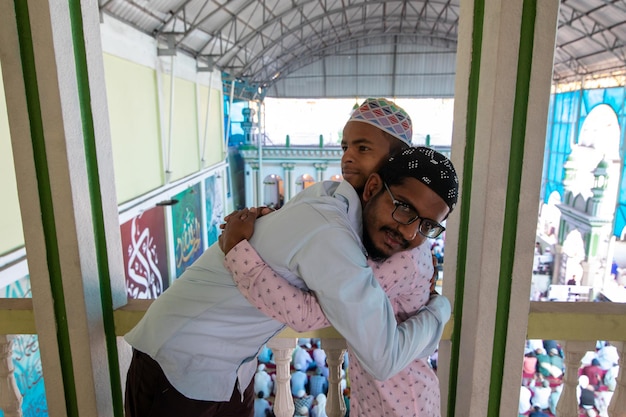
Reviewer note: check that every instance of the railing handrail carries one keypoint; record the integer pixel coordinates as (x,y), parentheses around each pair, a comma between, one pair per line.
(546,320)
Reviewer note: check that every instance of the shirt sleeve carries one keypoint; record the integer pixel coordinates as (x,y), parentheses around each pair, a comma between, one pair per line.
(355,304)
(430,321)
(406,278)
(358,308)
(272,294)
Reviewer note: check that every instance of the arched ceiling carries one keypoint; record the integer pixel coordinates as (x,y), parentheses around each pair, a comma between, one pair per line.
(338,48)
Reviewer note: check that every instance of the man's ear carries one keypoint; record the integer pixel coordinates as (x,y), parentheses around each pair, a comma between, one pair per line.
(372,187)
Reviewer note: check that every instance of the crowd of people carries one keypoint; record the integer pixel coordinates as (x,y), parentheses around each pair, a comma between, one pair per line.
(308,383)
(542,379)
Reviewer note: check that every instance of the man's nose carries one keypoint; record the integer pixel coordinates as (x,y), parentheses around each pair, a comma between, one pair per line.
(408,231)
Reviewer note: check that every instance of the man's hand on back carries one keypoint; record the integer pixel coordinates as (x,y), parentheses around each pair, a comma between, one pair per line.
(239,226)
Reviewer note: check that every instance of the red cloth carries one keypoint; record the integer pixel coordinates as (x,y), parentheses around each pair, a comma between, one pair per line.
(594,373)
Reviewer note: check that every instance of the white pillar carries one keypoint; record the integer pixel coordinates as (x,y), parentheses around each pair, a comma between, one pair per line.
(59,132)
(335,349)
(320,168)
(10,397)
(617,407)
(282,348)
(288,179)
(504,67)
(574,352)
(251,184)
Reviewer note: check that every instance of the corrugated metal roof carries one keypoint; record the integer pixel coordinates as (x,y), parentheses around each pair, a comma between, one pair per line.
(398,48)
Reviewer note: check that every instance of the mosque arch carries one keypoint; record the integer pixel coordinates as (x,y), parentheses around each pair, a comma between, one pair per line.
(304,181)
(599,140)
(600,130)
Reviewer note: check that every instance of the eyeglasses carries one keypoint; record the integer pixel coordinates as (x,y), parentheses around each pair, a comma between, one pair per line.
(405,214)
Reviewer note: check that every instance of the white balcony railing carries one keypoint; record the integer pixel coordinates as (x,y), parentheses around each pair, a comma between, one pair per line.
(576,325)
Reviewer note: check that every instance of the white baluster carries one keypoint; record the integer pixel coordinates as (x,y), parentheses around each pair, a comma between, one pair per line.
(617,407)
(573,352)
(10,397)
(334,348)
(282,348)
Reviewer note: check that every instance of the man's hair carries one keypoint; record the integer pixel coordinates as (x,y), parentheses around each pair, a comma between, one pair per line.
(395,146)
(426,165)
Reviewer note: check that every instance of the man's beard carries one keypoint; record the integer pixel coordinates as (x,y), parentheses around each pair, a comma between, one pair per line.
(373,252)
(359,190)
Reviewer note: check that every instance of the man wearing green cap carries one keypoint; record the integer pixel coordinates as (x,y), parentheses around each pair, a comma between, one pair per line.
(195,349)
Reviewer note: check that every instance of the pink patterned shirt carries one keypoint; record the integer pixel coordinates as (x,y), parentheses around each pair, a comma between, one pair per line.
(405,277)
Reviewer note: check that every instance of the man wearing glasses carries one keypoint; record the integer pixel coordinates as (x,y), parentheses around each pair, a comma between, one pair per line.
(403,213)
(195,348)
(420,178)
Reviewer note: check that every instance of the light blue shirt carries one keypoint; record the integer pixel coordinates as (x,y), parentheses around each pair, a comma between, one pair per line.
(260,405)
(298,382)
(205,335)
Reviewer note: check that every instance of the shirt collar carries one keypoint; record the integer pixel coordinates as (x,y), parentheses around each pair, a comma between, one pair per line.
(348,194)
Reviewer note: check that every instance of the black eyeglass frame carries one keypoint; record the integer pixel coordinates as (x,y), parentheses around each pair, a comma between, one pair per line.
(437,227)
